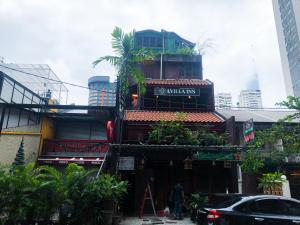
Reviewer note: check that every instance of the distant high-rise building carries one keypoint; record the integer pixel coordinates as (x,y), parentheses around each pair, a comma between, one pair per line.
(223,100)
(287,19)
(250,99)
(102,92)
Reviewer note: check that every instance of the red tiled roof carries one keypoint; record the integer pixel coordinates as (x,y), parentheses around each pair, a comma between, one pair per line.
(180,82)
(153,116)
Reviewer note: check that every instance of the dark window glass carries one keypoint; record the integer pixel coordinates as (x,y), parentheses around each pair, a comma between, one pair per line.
(268,206)
(159,42)
(139,41)
(229,202)
(146,42)
(244,207)
(292,208)
(152,41)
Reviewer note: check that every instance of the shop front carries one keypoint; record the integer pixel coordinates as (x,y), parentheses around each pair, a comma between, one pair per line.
(205,170)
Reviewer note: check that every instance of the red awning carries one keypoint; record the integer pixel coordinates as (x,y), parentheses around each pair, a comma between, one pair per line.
(67,160)
(189,117)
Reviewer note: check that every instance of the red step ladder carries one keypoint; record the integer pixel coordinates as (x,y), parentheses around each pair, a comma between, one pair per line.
(147,196)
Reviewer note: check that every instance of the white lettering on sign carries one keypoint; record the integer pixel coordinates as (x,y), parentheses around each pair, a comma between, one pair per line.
(176,91)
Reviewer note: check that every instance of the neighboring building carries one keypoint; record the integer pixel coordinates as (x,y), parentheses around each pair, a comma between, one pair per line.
(69,133)
(38,78)
(102,92)
(287,18)
(250,99)
(264,119)
(18,123)
(223,100)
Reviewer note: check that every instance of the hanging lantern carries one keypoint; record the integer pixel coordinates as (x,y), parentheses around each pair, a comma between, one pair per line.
(188,163)
(142,164)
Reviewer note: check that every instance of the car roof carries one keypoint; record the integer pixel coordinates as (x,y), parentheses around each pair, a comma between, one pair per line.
(247,198)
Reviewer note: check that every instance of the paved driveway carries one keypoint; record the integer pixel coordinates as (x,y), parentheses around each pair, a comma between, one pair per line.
(137,221)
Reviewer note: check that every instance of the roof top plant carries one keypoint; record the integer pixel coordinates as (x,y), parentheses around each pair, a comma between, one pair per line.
(126,59)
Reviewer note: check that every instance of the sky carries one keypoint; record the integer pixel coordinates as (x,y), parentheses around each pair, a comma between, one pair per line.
(69,35)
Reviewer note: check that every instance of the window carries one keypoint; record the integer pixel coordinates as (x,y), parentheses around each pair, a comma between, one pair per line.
(292,208)
(268,206)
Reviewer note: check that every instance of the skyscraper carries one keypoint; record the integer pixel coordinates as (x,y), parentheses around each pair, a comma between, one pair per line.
(102,92)
(223,100)
(287,19)
(250,99)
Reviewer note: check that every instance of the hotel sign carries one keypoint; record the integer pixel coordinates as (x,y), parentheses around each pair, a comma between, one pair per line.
(171,91)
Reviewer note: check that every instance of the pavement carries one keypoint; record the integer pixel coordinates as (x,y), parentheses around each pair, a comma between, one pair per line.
(154,221)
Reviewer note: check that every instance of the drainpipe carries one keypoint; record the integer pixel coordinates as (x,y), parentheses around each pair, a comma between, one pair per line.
(161,54)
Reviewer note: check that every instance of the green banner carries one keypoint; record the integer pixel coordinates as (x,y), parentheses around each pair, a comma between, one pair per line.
(222,156)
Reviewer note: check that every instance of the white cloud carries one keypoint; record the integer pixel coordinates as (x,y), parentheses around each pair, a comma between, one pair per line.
(71,34)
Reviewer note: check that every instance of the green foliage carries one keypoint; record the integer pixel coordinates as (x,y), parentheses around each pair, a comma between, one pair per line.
(252,161)
(186,51)
(265,145)
(269,181)
(126,60)
(111,187)
(291,103)
(32,194)
(174,133)
(197,201)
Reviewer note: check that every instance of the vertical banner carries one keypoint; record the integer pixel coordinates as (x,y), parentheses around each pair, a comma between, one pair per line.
(248,130)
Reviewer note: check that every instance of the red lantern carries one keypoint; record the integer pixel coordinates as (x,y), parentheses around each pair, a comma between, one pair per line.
(109,130)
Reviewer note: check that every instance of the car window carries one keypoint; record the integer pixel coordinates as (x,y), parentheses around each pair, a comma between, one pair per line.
(244,207)
(229,202)
(268,206)
(292,208)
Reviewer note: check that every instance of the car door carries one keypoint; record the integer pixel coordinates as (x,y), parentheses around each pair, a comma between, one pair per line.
(292,211)
(268,212)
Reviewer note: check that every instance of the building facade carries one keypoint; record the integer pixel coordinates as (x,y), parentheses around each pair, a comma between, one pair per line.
(102,91)
(250,99)
(170,94)
(287,19)
(223,100)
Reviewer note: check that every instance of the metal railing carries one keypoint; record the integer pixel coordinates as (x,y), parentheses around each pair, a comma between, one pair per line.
(75,146)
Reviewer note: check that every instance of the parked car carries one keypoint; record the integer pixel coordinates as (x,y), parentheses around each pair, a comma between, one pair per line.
(252,210)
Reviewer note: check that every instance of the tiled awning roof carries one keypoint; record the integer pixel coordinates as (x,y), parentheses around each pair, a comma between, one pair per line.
(179,82)
(189,117)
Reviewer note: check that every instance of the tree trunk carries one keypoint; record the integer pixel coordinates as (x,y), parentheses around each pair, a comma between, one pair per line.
(250,183)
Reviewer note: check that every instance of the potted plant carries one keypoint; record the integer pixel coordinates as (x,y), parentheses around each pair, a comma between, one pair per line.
(195,202)
(271,183)
(112,191)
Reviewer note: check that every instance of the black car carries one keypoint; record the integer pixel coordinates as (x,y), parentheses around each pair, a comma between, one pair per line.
(252,210)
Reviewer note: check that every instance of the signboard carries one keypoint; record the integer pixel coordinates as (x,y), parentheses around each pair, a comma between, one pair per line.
(218,155)
(248,130)
(174,91)
(126,163)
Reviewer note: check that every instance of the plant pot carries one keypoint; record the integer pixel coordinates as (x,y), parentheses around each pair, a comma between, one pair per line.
(193,215)
(116,219)
(109,204)
(106,217)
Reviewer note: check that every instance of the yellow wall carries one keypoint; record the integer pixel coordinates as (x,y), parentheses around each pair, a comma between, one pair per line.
(47,131)
(33,135)
(11,138)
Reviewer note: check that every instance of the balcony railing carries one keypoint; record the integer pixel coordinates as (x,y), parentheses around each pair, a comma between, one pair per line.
(75,146)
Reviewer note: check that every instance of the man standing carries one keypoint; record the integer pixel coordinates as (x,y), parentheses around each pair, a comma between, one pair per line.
(178,194)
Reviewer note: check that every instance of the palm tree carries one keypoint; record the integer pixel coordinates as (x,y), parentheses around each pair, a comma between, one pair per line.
(126,60)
